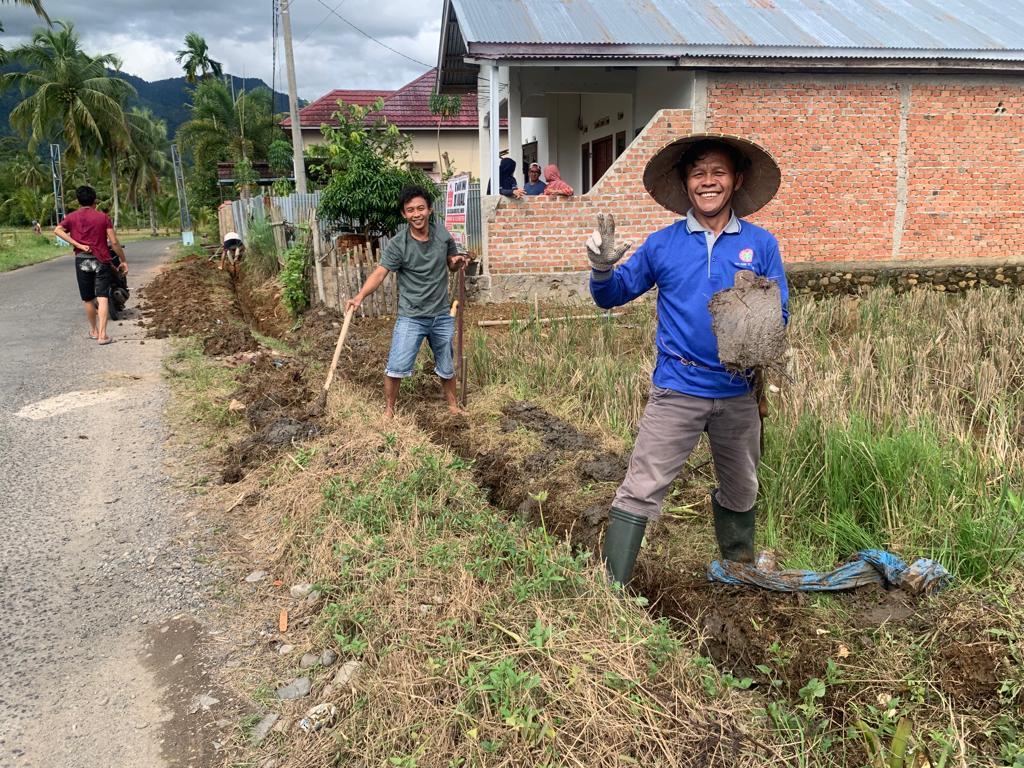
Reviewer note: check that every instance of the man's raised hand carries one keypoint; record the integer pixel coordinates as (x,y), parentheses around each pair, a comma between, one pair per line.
(601,248)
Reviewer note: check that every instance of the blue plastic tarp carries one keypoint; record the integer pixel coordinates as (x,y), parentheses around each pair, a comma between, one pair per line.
(870,566)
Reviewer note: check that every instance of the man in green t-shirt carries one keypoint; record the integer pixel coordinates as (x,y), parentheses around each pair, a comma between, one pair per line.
(421,257)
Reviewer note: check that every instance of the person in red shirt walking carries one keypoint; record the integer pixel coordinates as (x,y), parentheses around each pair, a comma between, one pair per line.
(88,231)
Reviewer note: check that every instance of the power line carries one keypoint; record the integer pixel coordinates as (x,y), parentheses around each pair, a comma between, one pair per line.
(320,23)
(371,37)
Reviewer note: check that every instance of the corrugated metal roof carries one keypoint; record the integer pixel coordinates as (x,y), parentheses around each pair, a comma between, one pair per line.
(967,28)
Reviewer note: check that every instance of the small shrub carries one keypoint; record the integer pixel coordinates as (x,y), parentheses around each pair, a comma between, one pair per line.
(294,279)
(261,250)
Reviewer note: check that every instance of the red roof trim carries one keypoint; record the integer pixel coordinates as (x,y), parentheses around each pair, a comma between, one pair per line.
(408,107)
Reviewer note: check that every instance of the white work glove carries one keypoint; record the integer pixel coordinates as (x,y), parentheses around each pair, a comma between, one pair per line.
(601,248)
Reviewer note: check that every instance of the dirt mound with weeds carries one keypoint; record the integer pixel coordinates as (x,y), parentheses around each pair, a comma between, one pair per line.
(194,298)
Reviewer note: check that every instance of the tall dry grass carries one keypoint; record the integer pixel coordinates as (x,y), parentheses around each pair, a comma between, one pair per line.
(902,425)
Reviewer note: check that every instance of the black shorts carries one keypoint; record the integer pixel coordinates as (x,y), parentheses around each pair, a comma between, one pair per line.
(93,283)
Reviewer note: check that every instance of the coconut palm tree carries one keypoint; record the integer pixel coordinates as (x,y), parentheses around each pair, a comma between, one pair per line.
(29,171)
(35,5)
(148,159)
(229,130)
(68,94)
(195,59)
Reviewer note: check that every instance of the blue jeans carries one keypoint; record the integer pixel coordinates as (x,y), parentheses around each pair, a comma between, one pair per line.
(407,339)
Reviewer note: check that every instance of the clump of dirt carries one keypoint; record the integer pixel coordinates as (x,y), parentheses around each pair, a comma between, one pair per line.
(553,432)
(194,298)
(567,484)
(747,321)
(228,342)
(273,387)
(274,437)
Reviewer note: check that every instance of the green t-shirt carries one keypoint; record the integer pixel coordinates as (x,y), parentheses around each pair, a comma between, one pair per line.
(422,271)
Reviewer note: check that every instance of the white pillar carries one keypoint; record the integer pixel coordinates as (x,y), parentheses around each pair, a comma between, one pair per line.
(515,123)
(495,126)
(483,139)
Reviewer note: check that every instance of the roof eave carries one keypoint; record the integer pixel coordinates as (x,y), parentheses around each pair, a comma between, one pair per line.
(720,57)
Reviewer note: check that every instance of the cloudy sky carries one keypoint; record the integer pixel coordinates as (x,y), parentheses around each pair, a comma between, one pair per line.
(328,52)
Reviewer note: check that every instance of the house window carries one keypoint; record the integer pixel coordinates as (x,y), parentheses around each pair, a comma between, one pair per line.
(620,143)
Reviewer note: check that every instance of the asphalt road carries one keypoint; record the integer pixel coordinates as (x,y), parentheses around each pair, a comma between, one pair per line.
(94,549)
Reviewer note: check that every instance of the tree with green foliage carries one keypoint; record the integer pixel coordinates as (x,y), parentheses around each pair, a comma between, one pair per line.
(369,162)
(444,108)
(35,5)
(148,160)
(69,95)
(225,130)
(195,59)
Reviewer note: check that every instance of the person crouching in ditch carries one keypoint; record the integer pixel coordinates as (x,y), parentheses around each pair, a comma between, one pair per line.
(420,255)
(711,180)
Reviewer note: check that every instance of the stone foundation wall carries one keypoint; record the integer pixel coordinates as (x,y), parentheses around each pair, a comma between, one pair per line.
(820,279)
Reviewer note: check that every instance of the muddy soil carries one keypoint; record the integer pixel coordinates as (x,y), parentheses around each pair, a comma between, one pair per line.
(194,298)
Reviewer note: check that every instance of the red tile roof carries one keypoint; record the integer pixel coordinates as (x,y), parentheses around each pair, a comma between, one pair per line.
(408,107)
(317,113)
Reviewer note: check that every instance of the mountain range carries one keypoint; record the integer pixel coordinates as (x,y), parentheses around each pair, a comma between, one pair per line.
(167,99)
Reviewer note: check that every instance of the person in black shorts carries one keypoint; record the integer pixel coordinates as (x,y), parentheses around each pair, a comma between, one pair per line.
(88,231)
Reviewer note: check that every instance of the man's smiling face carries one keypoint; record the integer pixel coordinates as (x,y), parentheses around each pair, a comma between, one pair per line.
(711,182)
(417,213)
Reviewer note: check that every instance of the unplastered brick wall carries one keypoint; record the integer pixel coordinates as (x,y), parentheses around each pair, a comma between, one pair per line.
(876,168)
(965,187)
(547,234)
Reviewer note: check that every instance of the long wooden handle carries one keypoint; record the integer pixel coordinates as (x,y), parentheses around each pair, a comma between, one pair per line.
(337,348)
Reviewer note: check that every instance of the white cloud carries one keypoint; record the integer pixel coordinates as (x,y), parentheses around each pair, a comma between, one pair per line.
(328,52)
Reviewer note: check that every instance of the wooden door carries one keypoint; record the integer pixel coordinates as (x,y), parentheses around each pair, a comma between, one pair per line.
(585,168)
(601,158)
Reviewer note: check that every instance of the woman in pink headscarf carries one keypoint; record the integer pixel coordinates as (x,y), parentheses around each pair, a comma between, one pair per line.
(555,184)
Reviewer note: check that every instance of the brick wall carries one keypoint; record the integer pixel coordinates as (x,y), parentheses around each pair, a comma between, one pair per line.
(906,167)
(837,146)
(966,168)
(547,234)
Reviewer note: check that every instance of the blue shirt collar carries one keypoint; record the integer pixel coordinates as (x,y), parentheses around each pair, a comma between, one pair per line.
(692,225)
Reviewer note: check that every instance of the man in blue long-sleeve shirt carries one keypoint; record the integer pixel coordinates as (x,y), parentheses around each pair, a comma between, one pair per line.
(712,180)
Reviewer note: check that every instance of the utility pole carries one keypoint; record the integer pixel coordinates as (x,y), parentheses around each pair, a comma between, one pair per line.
(293,100)
(187,237)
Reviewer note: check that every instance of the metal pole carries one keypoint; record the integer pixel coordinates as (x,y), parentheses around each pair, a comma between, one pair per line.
(179,185)
(495,93)
(459,330)
(293,100)
(57,173)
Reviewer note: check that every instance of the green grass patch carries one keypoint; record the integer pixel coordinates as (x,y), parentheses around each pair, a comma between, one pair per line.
(204,383)
(829,490)
(22,249)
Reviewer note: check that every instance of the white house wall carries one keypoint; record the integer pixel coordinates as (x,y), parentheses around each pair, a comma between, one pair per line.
(660,89)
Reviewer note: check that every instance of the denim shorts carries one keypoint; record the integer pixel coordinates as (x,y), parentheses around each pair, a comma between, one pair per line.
(408,337)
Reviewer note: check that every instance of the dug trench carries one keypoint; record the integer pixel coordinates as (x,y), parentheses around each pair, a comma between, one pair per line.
(543,470)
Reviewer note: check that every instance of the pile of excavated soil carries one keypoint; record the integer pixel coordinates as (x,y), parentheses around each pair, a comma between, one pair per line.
(272,387)
(194,298)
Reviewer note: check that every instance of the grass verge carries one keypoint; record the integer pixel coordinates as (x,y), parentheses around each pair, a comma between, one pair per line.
(23,249)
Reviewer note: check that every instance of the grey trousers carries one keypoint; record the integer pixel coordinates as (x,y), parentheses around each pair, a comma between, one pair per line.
(670,428)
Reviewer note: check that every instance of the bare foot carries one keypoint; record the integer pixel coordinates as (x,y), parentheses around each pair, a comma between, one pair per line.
(455,410)
(389,414)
